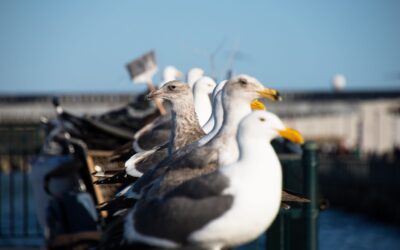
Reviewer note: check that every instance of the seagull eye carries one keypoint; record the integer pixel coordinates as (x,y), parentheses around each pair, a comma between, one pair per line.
(172,87)
(262,119)
(243,82)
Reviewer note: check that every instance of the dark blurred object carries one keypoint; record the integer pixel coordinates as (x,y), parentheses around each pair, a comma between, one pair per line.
(142,69)
(107,131)
(131,117)
(284,146)
(63,192)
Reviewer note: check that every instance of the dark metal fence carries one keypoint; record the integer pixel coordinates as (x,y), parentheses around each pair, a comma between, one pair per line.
(370,185)
(18,224)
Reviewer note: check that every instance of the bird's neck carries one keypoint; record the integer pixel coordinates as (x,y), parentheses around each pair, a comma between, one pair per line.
(234,112)
(226,136)
(259,158)
(202,106)
(257,169)
(215,121)
(255,148)
(185,126)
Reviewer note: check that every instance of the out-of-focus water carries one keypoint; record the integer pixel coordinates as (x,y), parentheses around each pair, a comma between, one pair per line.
(342,230)
(351,231)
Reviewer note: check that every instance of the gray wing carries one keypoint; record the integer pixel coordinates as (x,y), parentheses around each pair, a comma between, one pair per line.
(198,157)
(158,170)
(201,187)
(185,209)
(153,159)
(157,135)
(198,163)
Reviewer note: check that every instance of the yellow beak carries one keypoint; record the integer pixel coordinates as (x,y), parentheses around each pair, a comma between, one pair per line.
(271,94)
(257,105)
(292,135)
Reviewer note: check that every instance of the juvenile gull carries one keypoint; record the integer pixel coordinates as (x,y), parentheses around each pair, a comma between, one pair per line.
(157,128)
(185,125)
(224,209)
(202,88)
(185,129)
(155,134)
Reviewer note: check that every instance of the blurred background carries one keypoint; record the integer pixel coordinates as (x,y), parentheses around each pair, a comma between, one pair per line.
(337,64)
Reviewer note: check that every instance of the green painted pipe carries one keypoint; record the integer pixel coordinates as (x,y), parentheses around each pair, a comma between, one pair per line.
(310,164)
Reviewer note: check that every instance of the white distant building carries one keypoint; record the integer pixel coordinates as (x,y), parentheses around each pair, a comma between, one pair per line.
(369,121)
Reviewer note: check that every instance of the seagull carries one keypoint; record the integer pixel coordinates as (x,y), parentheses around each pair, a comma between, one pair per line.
(155,128)
(193,75)
(194,159)
(185,129)
(170,73)
(202,88)
(185,126)
(224,209)
(217,115)
(152,138)
(155,134)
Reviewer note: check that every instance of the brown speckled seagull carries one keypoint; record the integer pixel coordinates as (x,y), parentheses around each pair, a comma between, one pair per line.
(185,129)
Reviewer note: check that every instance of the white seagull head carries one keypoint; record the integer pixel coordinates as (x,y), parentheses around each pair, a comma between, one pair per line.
(267,126)
(204,85)
(193,75)
(170,73)
(247,88)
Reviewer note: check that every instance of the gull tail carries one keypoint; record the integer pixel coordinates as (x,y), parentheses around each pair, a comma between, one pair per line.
(117,203)
(121,177)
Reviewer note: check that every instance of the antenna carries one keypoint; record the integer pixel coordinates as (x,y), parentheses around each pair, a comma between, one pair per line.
(228,70)
(212,58)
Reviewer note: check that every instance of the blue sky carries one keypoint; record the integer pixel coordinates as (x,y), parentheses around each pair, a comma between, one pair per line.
(82,46)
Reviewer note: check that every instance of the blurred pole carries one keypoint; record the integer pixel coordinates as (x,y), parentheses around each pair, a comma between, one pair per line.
(310,163)
(158,102)
(229,74)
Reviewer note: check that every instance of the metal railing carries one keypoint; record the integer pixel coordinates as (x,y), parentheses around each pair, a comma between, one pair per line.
(297,228)
(18,224)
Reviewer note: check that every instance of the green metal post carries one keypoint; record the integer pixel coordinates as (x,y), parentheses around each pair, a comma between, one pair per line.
(310,163)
